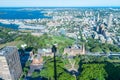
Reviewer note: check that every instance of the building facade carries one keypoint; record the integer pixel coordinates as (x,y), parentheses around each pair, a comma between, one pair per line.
(10,67)
(110,20)
(46,52)
(75,50)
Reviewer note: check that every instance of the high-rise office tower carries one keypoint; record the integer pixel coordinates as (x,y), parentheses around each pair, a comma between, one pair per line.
(102,28)
(83,49)
(94,19)
(110,20)
(98,17)
(97,29)
(10,67)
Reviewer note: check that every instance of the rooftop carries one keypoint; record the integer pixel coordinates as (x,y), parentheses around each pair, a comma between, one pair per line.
(7,50)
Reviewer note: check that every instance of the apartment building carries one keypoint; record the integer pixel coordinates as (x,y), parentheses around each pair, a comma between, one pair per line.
(10,66)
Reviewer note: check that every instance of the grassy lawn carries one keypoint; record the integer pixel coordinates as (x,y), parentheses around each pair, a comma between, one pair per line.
(58,39)
(61,39)
(13,43)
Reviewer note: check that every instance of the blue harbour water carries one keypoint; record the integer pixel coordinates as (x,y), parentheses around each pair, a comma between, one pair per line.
(12,26)
(21,13)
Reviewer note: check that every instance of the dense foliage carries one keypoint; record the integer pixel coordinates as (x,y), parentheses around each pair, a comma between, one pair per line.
(96,46)
(93,72)
(7,35)
(98,68)
(46,41)
(48,71)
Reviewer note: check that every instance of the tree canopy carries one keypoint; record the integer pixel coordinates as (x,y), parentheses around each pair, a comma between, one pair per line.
(93,72)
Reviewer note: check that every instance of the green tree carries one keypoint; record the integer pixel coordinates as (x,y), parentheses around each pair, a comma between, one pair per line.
(113,70)
(66,76)
(48,70)
(93,72)
(96,49)
(35,74)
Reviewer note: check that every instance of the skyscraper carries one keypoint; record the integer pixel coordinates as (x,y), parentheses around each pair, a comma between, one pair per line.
(98,17)
(83,49)
(10,67)
(110,20)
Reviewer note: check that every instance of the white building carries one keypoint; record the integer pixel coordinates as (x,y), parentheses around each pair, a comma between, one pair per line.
(110,20)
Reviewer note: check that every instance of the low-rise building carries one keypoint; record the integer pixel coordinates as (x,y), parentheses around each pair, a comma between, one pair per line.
(45,52)
(74,50)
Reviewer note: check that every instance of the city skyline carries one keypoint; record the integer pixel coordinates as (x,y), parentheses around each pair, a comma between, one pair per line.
(59,3)
(85,40)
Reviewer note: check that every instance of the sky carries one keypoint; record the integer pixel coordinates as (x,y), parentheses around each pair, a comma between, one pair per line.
(59,3)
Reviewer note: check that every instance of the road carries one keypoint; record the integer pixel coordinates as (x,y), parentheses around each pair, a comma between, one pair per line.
(100,54)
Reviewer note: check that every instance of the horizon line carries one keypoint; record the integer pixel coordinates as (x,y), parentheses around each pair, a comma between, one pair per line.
(54,6)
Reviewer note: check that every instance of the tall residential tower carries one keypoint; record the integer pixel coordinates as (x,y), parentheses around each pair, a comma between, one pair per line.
(10,67)
(110,20)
